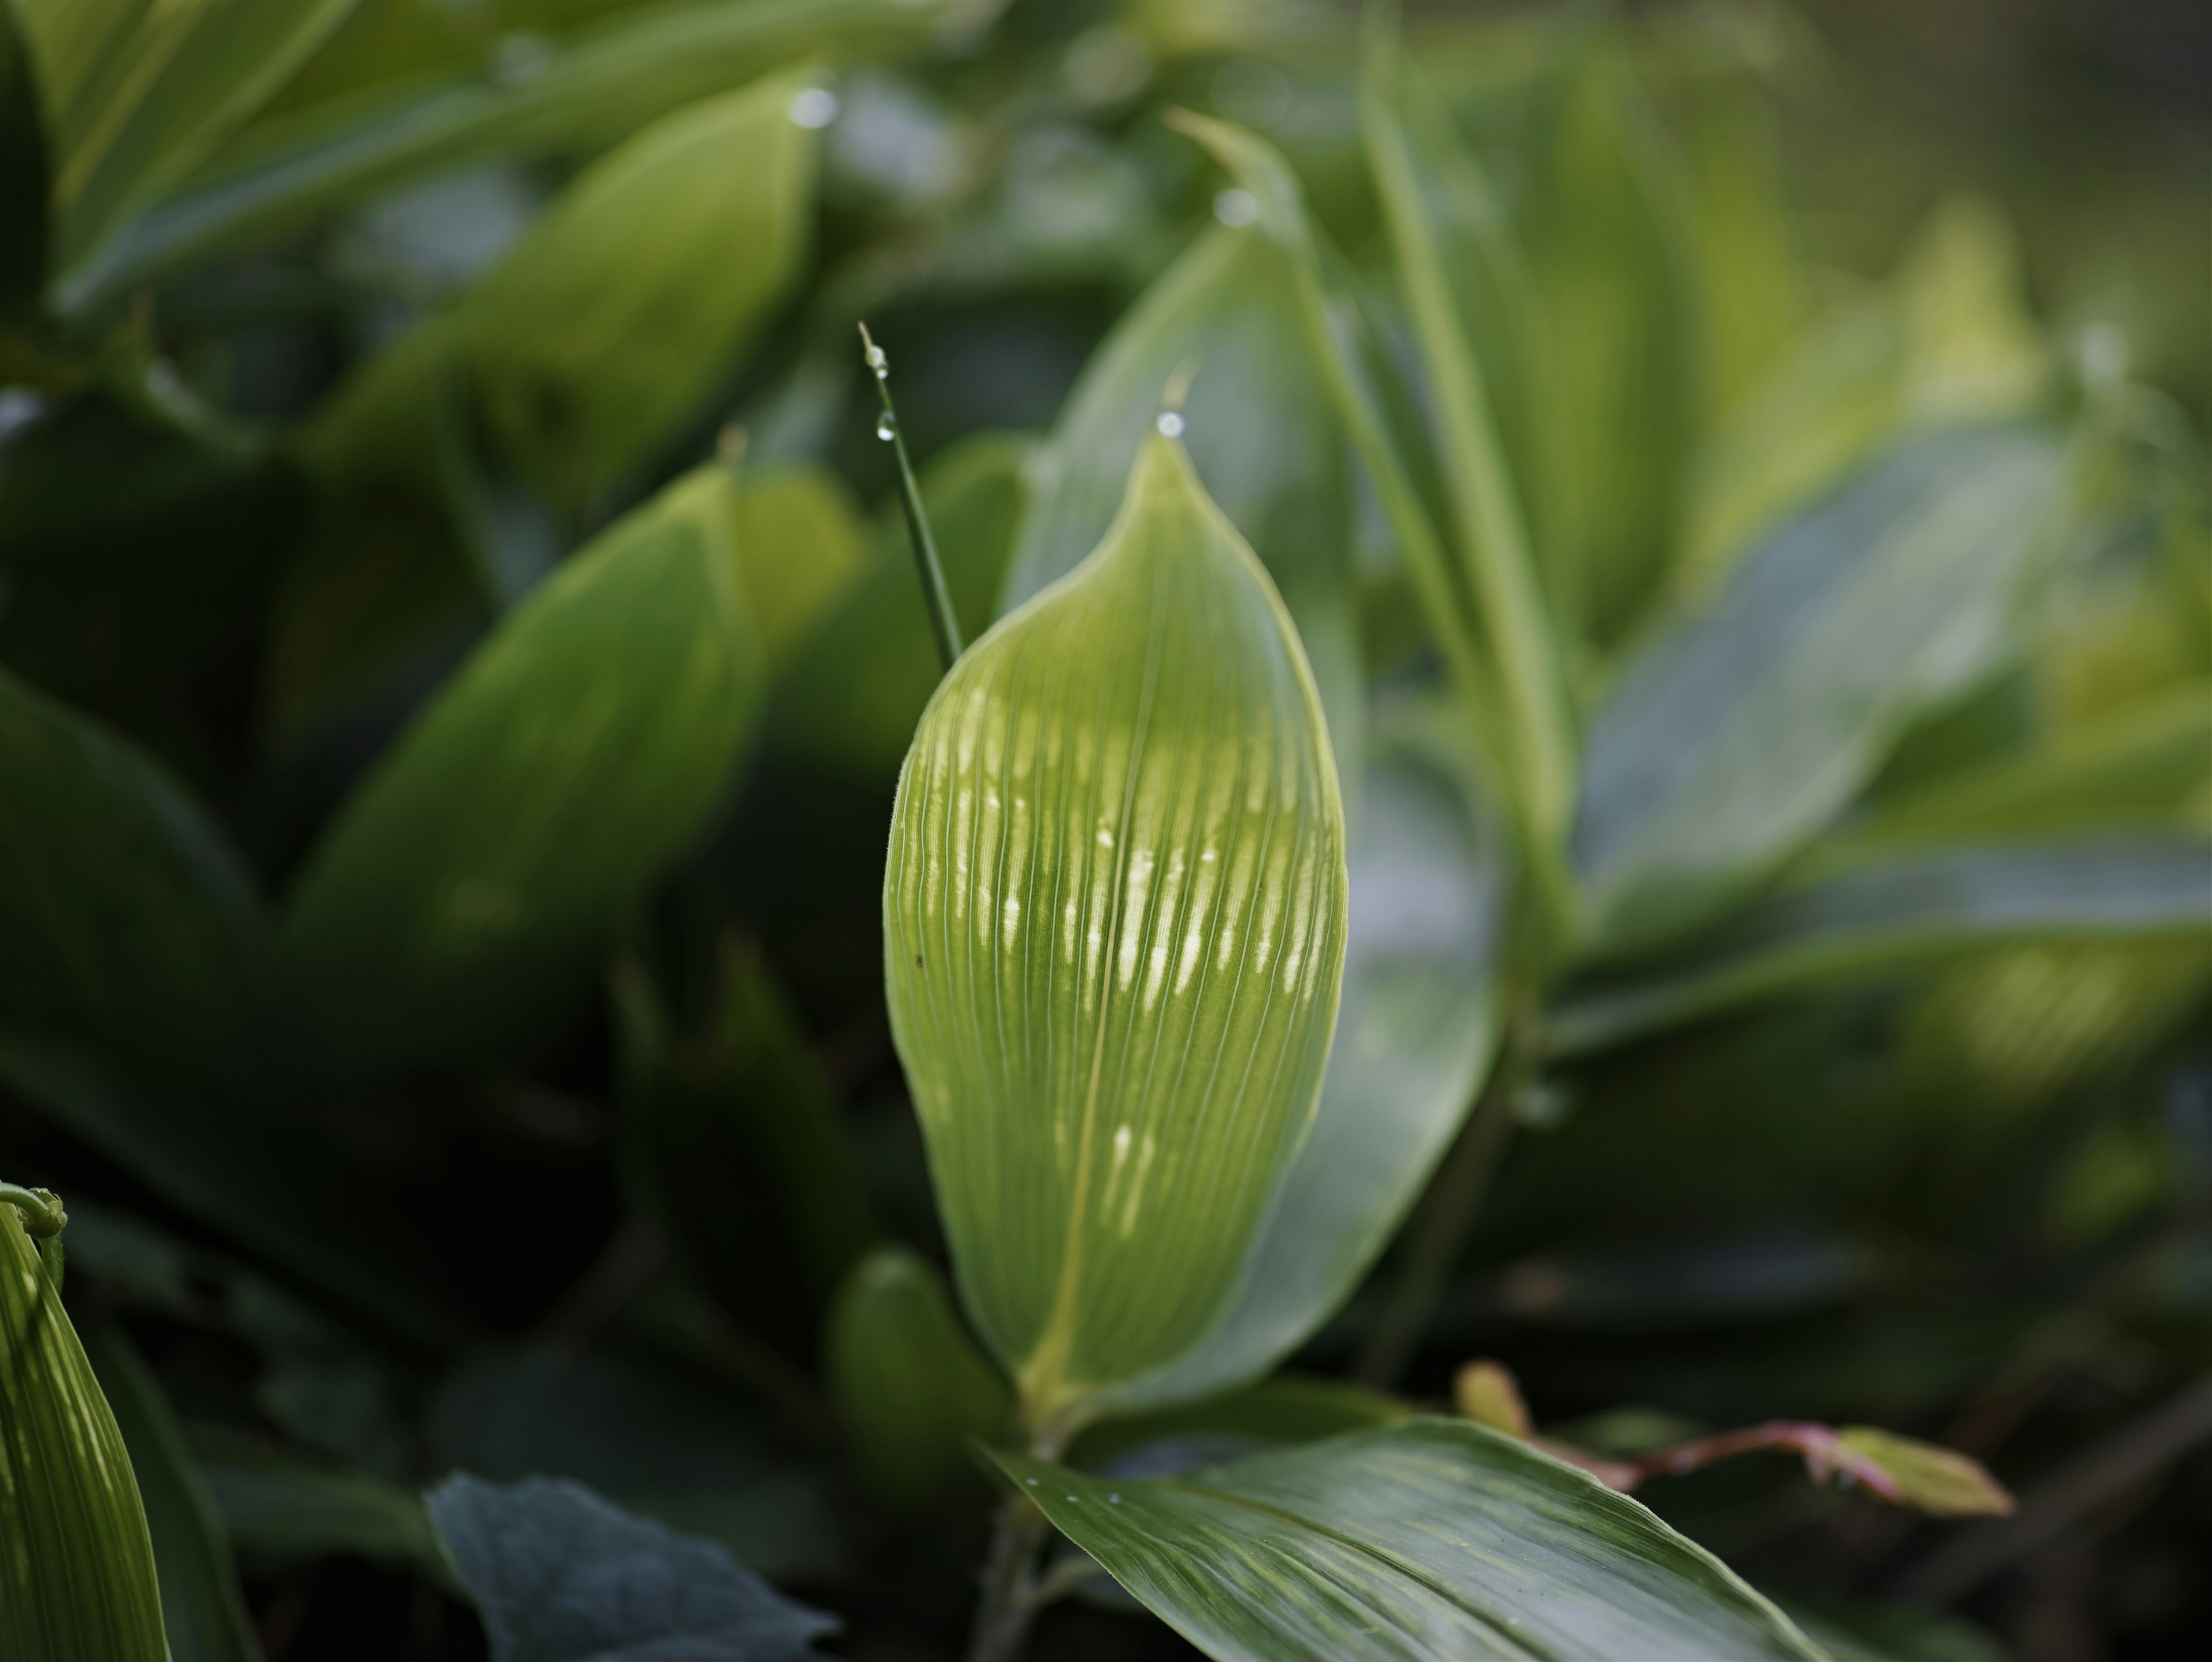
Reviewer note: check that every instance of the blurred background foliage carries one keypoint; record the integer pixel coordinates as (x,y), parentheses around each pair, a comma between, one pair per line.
(456,650)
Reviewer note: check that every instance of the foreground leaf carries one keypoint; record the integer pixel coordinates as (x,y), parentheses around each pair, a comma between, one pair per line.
(1425,1539)
(77,1564)
(562,1576)
(1746,729)
(1909,911)
(1113,919)
(1415,1035)
(465,885)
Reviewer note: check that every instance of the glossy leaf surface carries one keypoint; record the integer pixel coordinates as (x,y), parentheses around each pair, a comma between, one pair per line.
(561,1575)
(1413,1543)
(602,327)
(1114,918)
(1415,1035)
(77,1565)
(1749,726)
(581,747)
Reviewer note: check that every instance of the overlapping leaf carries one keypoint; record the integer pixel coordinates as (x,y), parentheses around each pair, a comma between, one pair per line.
(1424,1539)
(1114,920)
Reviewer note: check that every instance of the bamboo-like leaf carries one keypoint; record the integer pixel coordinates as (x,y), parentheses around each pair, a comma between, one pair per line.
(1415,1035)
(1919,907)
(1431,193)
(912,1386)
(1424,1539)
(601,330)
(590,90)
(1743,731)
(471,875)
(201,1605)
(138,92)
(1113,919)
(77,1564)
(1224,323)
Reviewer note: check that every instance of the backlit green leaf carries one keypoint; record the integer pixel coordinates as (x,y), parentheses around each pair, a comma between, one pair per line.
(599,331)
(471,876)
(911,1384)
(77,1565)
(1426,1539)
(1749,726)
(1114,918)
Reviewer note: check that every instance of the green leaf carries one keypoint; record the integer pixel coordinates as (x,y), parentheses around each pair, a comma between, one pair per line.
(853,698)
(279,1504)
(1940,1482)
(87,1587)
(600,332)
(590,90)
(562,1576)
(125,920)
(1439,208)
(1606,226)
(1919,907)
(138,92)
(1427,1538)
(1113,919)
(1415,1035)
(912,1386)
(801,549)
(1745,728)
(468,881)
(201,1605)
(1224,323)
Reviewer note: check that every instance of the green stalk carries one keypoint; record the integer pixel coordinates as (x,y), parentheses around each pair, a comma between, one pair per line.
(942,623)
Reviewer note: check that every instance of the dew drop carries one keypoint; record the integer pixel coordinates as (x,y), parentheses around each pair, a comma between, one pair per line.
(1113,1500)
(1169,424)
(1234,207)
(812,107)
(886,428)
(1033,1482)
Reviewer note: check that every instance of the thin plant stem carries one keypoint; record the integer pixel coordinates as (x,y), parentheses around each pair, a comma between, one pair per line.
(1009,1602)
(1446,1219)
(943,622)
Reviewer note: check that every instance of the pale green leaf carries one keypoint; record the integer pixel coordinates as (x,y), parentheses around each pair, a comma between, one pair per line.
(599,333)
(1414,1542)
(910,1384)
(1439,210)
(852,699)
(77,1564)
(1749,726)
(1415,1035)
(203,1606)
(1941,1481)
(569,97)
(1113,916)
(469,878)
(136,92)
(801,548)
(1225,325)
(1920,907)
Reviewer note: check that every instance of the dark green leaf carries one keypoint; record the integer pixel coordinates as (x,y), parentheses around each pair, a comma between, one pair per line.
(562,1576)
(467,882)
(1429,1538)
(281,1504)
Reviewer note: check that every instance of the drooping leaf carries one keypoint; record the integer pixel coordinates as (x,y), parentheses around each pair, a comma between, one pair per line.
(77,1565)
(1285,1407)
(202,1607)
(560,1575)
(654,1441)
(1427,1538)
(1224,324)
(466,882)
(1433,196)
(569,98)
(125,920)
(1916,909)
(1114,917)
(138,92)
(1416,1032)
(912,1386)
(852,699)
(599,333)
(1749,726)
(281,1504)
